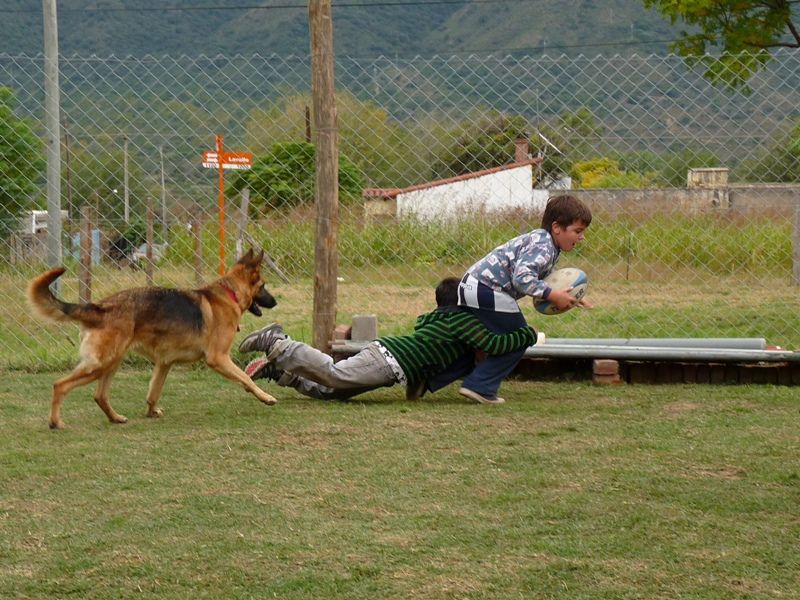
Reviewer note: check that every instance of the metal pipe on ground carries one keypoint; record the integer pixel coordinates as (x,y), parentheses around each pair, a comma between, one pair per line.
(728,343)
(685,354)
(637,353)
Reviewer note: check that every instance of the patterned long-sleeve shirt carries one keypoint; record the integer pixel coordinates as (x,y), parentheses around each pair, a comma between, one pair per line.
(511,271)
(442,336)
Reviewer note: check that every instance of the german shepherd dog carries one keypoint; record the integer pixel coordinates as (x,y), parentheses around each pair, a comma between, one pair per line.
(167,326)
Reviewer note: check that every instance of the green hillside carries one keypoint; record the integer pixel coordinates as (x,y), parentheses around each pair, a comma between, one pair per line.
(209,27)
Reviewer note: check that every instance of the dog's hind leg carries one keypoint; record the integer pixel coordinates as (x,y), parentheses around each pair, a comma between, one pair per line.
(100,356)
(85,373)
(160,373)
(101,396)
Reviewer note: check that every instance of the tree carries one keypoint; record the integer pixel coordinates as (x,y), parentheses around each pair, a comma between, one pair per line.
(285,176)
(97,178)
(606,173)
(574,137)
(479,145)
(668,169)
(743,30)
(21,163)
(780,161)
(374,141)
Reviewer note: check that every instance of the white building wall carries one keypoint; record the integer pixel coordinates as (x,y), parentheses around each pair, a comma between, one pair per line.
(504,190)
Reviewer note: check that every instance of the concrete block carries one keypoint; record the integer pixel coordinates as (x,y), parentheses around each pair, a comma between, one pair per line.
(365,328)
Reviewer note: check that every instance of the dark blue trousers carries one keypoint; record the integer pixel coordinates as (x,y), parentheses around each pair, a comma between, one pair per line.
(485,376)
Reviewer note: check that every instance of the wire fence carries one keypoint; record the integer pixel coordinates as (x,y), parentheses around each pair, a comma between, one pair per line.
(694,188)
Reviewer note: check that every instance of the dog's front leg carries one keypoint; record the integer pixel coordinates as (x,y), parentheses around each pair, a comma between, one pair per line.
(226,367)
(160,373)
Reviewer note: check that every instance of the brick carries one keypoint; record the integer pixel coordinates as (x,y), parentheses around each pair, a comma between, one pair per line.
(342,332)
(604,366)
(606,379)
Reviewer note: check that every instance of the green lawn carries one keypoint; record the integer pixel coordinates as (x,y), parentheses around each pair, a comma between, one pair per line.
(567,491)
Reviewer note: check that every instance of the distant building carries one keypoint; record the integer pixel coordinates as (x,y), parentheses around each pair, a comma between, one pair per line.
(491,190)
(29,242)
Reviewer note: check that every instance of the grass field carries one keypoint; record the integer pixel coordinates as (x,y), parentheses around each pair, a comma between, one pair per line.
(567,491)
(650,306)
(708,274)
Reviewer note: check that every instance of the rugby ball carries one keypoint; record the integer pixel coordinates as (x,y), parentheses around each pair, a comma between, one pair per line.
(563,279)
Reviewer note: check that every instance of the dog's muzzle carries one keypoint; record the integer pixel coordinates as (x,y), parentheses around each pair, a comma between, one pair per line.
(262,298)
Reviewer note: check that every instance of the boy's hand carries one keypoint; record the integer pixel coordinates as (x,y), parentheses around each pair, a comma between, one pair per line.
(584,303)
(562,299)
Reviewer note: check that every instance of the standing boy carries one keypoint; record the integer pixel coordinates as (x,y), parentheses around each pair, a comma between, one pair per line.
(493,285)
(439,338)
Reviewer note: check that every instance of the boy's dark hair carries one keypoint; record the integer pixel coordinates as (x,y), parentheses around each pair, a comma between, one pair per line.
(447,292)
(565,210)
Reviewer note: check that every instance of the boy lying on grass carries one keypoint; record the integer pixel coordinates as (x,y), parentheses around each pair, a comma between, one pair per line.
(440,338)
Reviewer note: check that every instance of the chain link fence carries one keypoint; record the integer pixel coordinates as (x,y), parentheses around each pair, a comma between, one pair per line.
(694,188)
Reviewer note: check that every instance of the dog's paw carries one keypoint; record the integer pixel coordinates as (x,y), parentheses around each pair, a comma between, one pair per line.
(267,399)
(118,419)
(55,425)
(155,413)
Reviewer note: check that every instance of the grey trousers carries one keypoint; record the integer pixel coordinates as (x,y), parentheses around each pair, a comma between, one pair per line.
(314,374)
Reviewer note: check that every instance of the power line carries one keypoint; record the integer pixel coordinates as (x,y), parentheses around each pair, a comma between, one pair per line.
(354,5)
(256,7)
(569,46)
(497,52)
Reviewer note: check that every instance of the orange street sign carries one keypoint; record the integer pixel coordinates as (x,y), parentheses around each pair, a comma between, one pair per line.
(230,160)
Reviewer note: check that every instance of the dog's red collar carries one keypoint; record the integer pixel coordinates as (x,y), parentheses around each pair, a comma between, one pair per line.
(231,294)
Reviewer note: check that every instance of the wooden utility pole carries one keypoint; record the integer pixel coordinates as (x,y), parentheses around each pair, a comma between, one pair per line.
(327,177)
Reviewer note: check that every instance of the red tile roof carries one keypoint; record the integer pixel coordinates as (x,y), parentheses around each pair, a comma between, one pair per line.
(393,192)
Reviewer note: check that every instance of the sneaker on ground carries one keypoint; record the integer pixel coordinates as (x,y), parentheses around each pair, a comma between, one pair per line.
(417,390)
(263,339)
(475,396)
(261,368)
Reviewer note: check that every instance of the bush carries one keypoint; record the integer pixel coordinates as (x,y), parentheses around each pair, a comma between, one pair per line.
(285,177)
(21,163)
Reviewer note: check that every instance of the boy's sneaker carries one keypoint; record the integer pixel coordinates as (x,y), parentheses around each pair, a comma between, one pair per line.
(476,397)
(416,391)
(261,368)
(263,339)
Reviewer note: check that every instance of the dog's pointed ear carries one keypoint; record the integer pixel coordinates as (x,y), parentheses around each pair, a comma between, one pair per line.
(246,259)
(260,258)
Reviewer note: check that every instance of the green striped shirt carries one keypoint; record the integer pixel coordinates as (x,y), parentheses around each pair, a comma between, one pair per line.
(441,336)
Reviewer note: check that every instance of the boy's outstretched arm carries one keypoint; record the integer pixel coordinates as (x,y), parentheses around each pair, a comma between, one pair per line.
(468,329)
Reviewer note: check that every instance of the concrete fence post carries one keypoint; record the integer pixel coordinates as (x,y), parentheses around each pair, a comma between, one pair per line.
(197,236)
(796,240)
(85,271)
(149,237)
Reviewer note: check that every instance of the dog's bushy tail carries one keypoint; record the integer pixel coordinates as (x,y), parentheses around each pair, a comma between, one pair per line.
(46,305)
